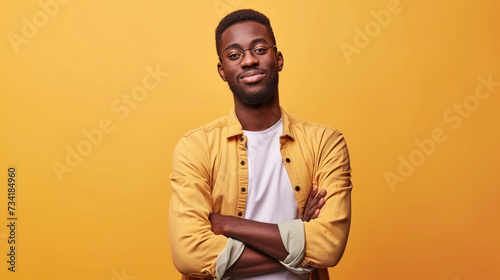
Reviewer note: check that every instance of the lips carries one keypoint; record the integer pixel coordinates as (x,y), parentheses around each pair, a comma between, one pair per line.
(252,76)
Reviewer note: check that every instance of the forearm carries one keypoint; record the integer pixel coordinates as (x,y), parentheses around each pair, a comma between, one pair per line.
(262,237)
(253,262)
(273,244)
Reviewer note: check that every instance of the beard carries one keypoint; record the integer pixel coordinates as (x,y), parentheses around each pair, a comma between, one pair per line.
(260,97)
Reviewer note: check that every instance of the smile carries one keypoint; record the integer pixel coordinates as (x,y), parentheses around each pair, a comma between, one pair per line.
(252,76)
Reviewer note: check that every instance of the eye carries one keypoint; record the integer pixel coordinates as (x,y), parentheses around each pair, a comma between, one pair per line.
(233,54)
(260,50)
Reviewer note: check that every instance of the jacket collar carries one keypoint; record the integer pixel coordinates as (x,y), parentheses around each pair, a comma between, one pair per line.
(234,125)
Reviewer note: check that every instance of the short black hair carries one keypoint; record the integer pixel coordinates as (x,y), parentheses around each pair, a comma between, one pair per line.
(240,16)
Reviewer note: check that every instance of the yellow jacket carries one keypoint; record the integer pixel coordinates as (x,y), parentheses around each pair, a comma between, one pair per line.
(209,175)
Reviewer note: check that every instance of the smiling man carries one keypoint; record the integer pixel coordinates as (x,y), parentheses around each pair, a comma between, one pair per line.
(258,194)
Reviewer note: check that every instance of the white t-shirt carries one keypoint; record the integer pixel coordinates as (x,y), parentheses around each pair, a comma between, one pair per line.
(270,196)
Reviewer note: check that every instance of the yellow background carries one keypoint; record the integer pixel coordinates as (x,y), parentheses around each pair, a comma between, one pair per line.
(107,219)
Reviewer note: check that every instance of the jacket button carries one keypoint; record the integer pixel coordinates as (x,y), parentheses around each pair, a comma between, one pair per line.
(240,214)
(243,189)
(297,188)
(242,139)
(242,162)
(287,160)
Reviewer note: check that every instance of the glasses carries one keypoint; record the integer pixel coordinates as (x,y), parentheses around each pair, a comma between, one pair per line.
(236,54)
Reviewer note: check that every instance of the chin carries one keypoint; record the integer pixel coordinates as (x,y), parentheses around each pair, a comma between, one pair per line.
(256,94)
(257,98)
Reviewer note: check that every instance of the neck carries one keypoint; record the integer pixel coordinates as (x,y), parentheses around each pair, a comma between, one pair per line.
(257,118)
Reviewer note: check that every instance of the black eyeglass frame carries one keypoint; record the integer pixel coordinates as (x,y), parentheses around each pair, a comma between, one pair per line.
(243,51)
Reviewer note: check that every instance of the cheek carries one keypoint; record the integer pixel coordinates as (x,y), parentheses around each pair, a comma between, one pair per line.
(230,74)
(271,63)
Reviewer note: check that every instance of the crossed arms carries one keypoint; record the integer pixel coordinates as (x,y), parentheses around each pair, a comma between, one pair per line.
(264,247)
(197,236)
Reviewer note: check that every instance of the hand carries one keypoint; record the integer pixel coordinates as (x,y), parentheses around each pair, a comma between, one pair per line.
(314,204)
(218,221)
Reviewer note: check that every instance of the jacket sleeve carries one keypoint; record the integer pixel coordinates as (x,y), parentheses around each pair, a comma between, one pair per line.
(193,244)
(326,236)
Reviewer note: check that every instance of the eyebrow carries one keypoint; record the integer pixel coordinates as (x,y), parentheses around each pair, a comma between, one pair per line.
(253,42)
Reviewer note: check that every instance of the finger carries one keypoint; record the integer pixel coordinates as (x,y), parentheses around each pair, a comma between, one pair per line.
(321,203)
(313,197)
(306,217)
(309,209)
(322,193)
(313,202)
(308,212)
(315,215)
(313,193)
(310,200)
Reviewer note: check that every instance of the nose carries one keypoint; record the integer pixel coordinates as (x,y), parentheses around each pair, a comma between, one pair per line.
(248,59)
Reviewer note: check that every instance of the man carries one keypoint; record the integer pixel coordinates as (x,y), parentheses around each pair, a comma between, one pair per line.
(258,194)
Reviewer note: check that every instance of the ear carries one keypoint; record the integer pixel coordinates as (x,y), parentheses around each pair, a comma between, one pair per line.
(280,60)
(220,68)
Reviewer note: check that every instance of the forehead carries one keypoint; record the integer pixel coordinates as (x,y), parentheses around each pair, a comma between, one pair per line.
(242,33)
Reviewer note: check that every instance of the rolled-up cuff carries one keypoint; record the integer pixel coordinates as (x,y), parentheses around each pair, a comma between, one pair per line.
(293,237)
(229,255)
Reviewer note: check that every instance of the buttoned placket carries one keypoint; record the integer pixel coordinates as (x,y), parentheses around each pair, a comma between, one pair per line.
(298,191)
(243,176)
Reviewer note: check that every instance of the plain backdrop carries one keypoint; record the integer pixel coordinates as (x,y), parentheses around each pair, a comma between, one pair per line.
(94,96)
